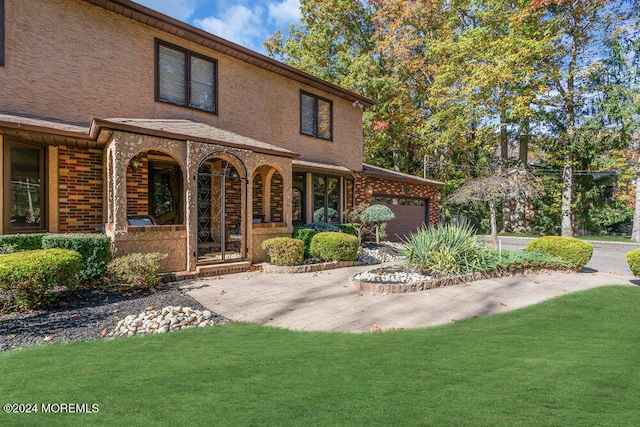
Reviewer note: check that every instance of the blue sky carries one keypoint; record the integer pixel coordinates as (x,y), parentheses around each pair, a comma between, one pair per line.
(245,22)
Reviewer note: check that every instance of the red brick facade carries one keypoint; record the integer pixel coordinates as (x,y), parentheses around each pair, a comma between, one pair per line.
(80,186)
(138,188)
(277,194)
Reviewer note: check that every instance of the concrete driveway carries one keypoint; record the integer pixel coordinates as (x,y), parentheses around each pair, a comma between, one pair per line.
(327,302)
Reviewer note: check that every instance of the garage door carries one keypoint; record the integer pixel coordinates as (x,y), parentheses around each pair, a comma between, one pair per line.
(411,214)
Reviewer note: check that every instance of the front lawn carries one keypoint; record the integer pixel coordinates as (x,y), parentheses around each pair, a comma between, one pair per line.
(569,361)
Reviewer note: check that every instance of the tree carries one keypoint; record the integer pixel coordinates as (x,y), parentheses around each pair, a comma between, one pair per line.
(494,189)
(378,215)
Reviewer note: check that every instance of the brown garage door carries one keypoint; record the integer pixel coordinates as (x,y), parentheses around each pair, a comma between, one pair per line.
(411,214)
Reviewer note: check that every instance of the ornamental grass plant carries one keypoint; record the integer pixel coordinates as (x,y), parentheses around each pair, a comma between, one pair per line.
(447,250)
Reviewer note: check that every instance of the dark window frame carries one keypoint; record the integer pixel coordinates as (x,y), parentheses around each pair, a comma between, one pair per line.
(325,179)
(303,195)
(187,82)
(6,187)
(315,133)
(1,33)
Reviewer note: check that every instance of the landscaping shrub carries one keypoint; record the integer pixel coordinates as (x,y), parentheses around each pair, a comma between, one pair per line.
(348,229)
(332,246)
(447,250)
(284,250)
(95,250)
(513,260)
(304,234)
(575,252)
(378,215)
(22,242)
(633,259)
(28,279)
(136,270)
(319,227)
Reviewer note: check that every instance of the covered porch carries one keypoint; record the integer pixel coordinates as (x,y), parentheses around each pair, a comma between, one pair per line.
(201,195)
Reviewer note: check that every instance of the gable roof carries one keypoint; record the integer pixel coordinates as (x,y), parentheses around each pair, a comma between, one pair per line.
(186,130)
(137,12)
(379,172)
(51,131)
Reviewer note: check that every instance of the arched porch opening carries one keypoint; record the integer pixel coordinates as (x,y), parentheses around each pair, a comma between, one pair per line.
(155,193)
(221,195)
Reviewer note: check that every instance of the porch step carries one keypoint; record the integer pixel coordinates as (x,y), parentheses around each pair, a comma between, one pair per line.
(220,269)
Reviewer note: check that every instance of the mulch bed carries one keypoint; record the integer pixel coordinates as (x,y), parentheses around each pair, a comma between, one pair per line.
(87,313)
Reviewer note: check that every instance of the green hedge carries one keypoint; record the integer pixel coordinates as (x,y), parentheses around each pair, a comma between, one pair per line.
(284,250)
(28,279)
(304,234)
(633,259)
(22,242)
(332,246)
(348,229)
(575,252)
(95,250)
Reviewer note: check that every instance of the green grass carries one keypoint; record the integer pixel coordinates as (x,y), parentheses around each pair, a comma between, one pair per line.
(569,361)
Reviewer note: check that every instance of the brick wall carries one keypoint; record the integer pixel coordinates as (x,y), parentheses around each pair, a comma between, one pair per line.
(277,197)
(80,191)
(258,188)
(138,188)
(396,188)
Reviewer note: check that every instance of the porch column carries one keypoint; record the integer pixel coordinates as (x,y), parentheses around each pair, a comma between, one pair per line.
(119,171)
(191,200)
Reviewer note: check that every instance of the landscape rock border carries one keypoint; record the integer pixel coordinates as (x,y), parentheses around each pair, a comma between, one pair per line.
(395,288)
(307,268)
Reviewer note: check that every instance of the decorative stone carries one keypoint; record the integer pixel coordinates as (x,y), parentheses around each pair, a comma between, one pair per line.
(162,321)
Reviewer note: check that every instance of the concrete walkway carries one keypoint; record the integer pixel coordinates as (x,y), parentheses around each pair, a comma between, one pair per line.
(326,301)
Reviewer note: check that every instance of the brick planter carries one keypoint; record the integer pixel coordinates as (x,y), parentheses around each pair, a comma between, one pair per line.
(397,288)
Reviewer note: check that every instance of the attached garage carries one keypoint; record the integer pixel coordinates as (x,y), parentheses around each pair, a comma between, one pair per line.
(411,214)
(414,200)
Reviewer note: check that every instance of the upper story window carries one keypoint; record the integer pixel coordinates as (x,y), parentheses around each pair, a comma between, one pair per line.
(316,116)
(1,33)
(185,78)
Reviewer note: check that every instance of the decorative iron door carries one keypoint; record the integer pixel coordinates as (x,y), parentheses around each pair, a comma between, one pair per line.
(219,213)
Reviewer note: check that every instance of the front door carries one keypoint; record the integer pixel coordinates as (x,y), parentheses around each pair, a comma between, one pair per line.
(220,234)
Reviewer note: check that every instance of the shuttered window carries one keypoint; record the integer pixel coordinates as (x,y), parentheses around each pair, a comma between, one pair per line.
(316,116)
(185,78)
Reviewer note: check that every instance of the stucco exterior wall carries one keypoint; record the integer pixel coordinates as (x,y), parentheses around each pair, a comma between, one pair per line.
(70,60)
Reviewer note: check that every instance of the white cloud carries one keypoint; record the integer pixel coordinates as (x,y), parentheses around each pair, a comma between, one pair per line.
(284,12)
(238,24)
(179,9)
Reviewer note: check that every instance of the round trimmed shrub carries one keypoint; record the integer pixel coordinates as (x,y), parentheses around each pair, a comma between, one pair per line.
(304,234)
(633,259)
(95,250)
(28,279)
(284,250)
(332,246)
(575,252)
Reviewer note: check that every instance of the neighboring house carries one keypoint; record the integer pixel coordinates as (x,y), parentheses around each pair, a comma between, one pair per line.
(116,118)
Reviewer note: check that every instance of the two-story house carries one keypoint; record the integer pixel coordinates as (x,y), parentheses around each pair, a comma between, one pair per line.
(117,118)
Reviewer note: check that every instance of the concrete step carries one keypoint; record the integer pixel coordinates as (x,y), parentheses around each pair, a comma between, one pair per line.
(220,269)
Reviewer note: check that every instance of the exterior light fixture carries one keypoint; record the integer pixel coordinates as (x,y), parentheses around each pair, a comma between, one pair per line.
(368,191)
(135,163)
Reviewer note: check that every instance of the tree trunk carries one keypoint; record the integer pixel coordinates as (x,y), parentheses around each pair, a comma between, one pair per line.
(567,187)
(635,233)
(494,226)
(504,154)
(520,225)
